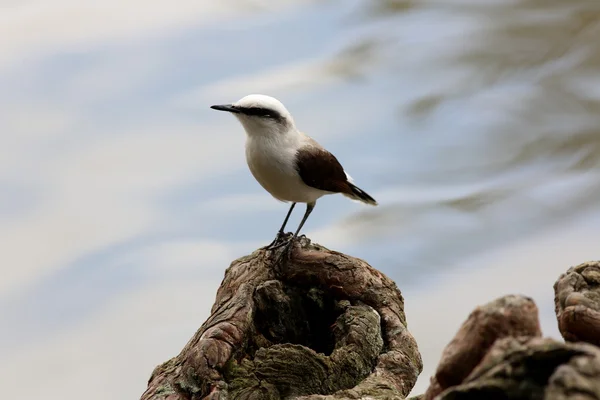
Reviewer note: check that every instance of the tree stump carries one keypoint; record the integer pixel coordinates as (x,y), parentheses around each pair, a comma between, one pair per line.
(321,325)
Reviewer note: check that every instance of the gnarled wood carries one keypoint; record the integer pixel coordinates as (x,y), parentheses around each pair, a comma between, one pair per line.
(321,325)
(532,368)
(577,303)
(498,352)
(508,316)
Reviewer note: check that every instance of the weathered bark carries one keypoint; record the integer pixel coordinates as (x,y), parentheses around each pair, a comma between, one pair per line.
(505,317)
(321,325)
(577,303)
(533,368)
(498,354)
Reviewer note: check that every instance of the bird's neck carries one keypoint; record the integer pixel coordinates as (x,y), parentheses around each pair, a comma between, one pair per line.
(277,141)
(267,129)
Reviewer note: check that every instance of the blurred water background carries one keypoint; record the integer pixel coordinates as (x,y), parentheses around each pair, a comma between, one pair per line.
(123,197)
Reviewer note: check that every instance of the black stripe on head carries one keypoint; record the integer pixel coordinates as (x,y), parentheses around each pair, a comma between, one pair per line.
(262,113)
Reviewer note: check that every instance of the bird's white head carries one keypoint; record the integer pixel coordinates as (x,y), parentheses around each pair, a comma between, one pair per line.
(260,115)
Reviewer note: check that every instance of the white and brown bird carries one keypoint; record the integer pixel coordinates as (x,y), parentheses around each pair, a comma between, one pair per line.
(288,164)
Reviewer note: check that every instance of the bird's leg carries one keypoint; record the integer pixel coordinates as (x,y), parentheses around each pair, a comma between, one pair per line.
(309,208)
(288,244)
(280,232)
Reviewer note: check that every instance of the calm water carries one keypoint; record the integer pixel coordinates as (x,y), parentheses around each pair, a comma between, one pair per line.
(475,126)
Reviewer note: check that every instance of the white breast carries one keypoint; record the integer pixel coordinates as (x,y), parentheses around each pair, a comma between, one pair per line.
(272,161)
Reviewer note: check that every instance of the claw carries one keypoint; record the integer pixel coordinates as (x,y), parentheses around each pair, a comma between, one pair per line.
(278,245)
(286,252)
(274,242)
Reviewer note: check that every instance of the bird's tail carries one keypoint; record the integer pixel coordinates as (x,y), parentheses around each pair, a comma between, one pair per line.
(357,193)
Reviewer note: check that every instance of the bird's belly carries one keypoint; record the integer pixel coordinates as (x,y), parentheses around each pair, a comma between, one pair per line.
(278,176)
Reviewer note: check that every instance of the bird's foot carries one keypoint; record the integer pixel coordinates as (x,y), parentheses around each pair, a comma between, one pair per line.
(285,242)
(274,242)
(287,250)
(280,240)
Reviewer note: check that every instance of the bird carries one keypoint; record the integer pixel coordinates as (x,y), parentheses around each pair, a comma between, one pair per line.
(287,163)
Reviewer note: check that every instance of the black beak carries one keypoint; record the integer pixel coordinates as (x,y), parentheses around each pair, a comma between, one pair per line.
(226,107)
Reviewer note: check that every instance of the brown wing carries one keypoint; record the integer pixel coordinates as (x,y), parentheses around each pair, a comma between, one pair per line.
(320,169)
